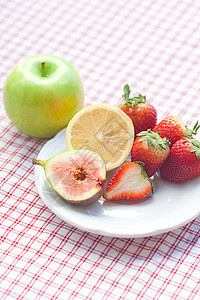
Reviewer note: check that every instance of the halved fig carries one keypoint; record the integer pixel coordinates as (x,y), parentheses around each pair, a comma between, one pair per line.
(77,176)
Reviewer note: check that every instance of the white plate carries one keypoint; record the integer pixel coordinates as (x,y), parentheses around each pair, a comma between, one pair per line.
(171,206)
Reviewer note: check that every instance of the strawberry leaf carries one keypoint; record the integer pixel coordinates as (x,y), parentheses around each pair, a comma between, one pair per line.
(127,91)
(132,101)
(142,133)
(196,150)
(139,162)
(197,153)
(153,139)
(143,138)
(149,142)
(195,146)
(155,143)
(162,145)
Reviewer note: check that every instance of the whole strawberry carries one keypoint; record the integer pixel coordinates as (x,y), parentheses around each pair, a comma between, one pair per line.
(174,129)
(142,114)
(150,149)
(183,162)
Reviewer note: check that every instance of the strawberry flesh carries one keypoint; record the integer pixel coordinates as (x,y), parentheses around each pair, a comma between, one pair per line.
(130,182)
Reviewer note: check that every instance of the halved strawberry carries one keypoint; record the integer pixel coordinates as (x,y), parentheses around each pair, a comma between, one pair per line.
(130,182)
(142,114)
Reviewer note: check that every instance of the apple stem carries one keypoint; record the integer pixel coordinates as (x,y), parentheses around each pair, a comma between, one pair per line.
(43,69)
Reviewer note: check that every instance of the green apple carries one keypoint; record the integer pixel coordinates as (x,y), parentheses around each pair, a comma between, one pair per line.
(42,94)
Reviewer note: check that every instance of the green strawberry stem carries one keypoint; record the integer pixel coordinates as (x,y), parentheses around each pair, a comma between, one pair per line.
(132,101)
(194,130)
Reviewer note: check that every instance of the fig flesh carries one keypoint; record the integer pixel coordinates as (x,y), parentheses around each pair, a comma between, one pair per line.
(77,176)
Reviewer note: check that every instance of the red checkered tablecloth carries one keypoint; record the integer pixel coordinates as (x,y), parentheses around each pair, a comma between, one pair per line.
(154,45)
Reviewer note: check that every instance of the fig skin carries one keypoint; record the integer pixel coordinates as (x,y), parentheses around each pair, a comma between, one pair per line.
(90,200)
(86,162)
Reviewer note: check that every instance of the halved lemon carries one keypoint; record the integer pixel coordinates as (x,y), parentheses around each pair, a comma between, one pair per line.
(102,128)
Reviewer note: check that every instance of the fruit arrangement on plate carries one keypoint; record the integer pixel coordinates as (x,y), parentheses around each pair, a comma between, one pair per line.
(99,137)
(168,147)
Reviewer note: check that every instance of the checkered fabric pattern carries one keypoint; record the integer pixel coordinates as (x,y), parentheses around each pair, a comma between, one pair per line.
(154,46)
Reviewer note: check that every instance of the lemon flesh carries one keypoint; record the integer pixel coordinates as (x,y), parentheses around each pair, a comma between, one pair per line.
(102,128)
